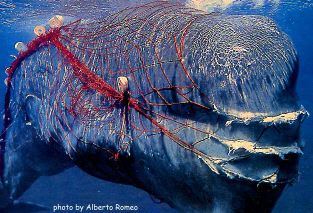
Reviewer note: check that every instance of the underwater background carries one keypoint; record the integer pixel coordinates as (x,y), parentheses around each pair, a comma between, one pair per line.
(295,17)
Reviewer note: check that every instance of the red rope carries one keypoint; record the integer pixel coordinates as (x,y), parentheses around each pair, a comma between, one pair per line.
(92,81)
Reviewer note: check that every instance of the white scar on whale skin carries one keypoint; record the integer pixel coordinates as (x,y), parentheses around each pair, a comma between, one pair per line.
(219,164)
(291,116)
(219,167)
(268,150)
(288,117)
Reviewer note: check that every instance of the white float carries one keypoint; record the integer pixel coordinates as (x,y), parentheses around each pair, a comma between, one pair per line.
(40,30)
(20,47)
(56,21)
(122,84)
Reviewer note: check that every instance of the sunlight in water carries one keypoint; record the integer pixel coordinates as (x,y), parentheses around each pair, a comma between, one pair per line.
(209,5)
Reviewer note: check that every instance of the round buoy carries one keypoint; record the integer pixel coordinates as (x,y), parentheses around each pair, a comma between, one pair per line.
(7,71)
(122,84)
(56,21)
(20,47)
(40,30)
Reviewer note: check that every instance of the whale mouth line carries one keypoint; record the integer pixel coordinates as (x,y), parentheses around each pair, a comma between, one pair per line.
(228,168)
(240,150)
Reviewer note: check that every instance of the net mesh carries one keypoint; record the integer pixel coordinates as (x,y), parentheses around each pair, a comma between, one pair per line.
(73,72)
(86,58)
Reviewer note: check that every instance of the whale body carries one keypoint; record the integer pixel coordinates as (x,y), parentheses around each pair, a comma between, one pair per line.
(219,126)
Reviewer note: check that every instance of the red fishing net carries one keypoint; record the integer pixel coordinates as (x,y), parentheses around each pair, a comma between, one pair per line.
(145,44)
(158,71)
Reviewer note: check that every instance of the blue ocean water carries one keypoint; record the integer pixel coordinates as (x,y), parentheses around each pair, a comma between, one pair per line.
(73,186)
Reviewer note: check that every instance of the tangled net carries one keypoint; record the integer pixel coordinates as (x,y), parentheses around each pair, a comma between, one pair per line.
(86,58)
(73,72)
